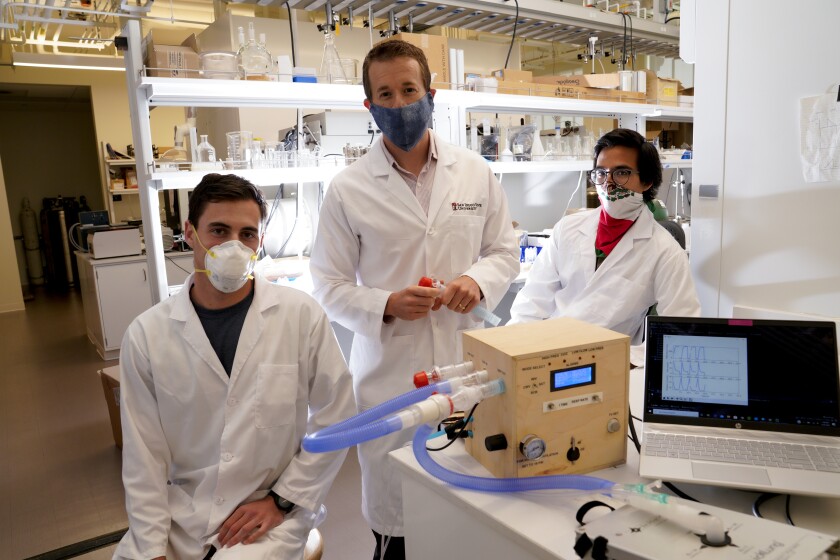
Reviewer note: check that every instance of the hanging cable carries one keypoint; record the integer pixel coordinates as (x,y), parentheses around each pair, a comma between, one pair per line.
(513,37)
(291,34)
(457,435)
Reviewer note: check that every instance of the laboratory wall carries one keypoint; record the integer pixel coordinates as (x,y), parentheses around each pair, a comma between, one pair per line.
(768,239)
(11,295)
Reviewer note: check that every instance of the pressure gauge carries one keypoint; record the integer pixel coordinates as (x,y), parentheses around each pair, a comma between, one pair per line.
(532,447)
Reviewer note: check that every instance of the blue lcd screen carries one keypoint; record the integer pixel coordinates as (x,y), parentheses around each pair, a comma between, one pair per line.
(572,377)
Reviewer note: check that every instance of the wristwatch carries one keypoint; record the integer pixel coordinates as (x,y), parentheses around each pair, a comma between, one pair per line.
(282,503)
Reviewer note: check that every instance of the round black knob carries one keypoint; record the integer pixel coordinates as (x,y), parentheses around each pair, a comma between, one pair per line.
(573,454)
(497,442)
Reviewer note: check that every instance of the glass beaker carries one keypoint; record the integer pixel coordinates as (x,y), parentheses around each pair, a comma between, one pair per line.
(239,146)
(348,71)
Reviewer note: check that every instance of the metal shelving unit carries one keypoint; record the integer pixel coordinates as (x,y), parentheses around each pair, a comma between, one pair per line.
(451,109)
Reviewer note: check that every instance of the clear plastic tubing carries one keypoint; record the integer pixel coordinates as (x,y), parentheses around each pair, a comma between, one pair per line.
(560,481)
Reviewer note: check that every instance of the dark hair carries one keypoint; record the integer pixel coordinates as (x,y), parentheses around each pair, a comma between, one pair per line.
(389,50)
(650,168)
(222,188)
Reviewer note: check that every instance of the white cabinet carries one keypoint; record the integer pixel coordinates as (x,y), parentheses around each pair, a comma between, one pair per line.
(115,291)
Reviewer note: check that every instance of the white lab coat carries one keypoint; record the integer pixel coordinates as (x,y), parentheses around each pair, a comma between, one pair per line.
(197,444)
(374,239)
(646,267)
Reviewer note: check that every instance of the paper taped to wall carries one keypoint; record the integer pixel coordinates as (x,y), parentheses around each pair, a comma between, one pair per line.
(819,123)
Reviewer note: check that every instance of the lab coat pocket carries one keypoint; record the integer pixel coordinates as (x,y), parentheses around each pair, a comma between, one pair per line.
(276,393)
(464,241)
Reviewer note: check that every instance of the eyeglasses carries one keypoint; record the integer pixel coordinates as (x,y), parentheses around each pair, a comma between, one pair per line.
(619,176)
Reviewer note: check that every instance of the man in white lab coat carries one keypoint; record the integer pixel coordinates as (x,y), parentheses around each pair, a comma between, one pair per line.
(608,266)
(219,385)
(413,206)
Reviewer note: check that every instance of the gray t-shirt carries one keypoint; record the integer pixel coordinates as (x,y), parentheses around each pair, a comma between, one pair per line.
(223,326)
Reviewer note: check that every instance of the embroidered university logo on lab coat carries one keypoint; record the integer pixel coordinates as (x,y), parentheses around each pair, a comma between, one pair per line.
(465,207)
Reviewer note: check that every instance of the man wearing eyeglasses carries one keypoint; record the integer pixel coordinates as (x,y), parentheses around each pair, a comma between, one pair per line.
(609,266)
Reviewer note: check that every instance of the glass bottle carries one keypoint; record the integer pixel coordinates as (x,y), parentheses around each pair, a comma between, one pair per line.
(254,61)
(206,154)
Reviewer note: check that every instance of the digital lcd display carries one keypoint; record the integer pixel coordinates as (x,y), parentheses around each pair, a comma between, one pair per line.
(572,377)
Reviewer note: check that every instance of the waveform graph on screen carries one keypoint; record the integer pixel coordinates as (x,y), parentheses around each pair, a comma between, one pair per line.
(709,369)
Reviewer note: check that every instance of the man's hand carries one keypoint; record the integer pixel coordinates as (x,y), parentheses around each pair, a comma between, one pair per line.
(249,522)
(461,295)
(411,303)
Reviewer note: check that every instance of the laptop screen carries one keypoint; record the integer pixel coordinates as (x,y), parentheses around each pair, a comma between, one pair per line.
(780,376)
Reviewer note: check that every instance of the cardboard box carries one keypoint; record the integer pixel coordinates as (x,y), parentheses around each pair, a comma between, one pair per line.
(509,75)
(170,61)
(436,49)
(661,91)
(516,88)
(110,378)
(605,81)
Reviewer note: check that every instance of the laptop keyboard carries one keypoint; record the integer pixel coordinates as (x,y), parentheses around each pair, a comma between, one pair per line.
(745,452)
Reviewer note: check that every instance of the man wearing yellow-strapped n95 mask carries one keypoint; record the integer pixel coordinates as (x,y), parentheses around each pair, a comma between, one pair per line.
(219,384)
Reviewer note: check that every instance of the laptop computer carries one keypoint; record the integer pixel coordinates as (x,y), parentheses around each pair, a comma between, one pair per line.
(746,403)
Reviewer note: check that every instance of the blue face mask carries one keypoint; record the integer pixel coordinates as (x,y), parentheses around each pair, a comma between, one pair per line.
(404,126)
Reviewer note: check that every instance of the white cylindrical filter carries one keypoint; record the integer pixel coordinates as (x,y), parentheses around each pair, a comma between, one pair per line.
(626,79)
(284,68)
(460,68)
(31,245)
(641,81)
(453,72)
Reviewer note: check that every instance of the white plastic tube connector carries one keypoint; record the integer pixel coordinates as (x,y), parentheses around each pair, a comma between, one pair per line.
(437,374)
(439,406)
(456,383)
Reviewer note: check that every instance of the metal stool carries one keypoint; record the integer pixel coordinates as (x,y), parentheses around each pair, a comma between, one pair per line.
(314,546)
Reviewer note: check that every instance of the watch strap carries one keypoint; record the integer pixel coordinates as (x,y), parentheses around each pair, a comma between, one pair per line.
(282,503)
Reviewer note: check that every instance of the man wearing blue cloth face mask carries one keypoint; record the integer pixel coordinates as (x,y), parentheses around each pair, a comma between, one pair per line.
(219,384)
(413,206)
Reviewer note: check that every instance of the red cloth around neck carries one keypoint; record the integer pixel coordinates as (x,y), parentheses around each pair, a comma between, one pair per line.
(610,232)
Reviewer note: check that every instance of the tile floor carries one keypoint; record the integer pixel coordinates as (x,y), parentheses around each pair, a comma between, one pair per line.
(59,468)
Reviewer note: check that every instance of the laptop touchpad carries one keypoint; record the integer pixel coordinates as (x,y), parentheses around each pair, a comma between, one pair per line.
(730,473)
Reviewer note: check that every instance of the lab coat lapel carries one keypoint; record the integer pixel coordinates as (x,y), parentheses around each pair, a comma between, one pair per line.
(390,181)
(252,328)
(194,335)
(443,180)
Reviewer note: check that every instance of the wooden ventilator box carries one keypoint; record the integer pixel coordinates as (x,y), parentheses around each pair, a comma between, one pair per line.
(565,405)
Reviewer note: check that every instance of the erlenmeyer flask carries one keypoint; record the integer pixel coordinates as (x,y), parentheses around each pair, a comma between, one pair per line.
(331,68)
